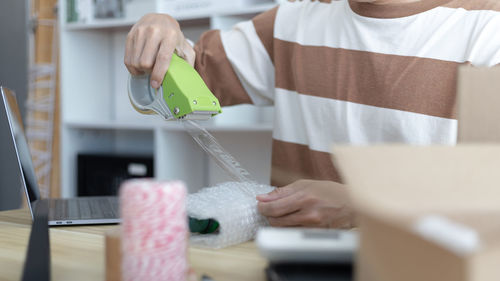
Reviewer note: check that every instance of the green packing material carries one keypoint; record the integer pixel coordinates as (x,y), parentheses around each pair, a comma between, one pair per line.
(204,226)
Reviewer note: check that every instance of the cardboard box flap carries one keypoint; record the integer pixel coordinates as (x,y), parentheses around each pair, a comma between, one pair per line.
(487,225)
(409,180)
(425,213)
(390,251)
(483,226)
(478,94)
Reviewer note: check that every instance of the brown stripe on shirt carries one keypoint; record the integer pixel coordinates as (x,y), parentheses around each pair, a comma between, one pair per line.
(264,26)
(322,1)
(492,5)
(419,85)
(216,70)
(291,162)
(394,10)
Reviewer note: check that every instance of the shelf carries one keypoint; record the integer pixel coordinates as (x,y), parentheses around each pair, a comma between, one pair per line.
(172,126)
(96,115)
(107,125)
(100,24)
(123,22)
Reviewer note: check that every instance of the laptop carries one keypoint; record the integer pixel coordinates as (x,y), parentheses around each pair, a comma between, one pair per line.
(71,211)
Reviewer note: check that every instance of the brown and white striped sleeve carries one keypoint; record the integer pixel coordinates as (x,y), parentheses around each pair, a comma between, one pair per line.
(216,70)
(237,64)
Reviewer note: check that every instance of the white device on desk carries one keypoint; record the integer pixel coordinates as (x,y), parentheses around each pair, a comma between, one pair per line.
(307,245)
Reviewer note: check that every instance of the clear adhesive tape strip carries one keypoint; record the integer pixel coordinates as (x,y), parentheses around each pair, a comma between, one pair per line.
(221,157)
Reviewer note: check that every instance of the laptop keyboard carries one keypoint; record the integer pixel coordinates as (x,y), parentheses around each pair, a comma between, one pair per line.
(83,208)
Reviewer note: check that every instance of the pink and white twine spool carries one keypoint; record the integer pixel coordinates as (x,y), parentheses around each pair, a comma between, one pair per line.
(154,225)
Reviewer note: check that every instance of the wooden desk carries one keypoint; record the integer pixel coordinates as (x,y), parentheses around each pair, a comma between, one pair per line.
(77,253)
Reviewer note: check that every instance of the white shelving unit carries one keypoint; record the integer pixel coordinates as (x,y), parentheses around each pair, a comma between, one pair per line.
(205,14)
(96,115)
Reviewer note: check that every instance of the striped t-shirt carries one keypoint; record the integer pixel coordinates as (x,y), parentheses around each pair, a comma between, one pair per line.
(346,72)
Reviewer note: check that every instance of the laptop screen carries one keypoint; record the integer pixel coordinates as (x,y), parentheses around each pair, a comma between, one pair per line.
(21,145)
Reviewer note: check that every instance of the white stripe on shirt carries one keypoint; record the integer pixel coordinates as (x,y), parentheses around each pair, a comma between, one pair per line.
(250,61)
(318,122)
(436,34)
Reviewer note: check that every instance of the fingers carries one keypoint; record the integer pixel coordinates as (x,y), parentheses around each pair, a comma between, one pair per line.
(187,52)
(296,219)
(163,58)
(286,221)
(300,218)
(139,43)
(128,59)
(150,45)
(280,207)
(278,193)
(147,56)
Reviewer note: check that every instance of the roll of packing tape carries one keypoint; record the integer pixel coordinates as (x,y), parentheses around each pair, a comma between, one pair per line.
(154,224)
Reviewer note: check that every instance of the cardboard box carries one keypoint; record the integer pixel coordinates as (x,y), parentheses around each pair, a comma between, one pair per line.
(425,213)
(478,105)
(113,254)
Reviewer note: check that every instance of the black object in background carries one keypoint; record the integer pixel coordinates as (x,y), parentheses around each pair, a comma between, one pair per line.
(37,264)
(101,175)
(15,28)
(307,272)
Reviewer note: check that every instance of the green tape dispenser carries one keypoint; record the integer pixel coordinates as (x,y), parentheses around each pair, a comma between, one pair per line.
(182,95)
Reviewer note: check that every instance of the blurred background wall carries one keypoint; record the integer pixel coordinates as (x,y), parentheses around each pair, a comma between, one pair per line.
(14,50)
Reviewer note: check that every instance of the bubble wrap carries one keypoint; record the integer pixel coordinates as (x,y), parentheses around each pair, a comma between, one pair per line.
(154,238)
(234,206)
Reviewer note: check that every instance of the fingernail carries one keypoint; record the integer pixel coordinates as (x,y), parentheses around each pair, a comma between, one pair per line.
(155,84)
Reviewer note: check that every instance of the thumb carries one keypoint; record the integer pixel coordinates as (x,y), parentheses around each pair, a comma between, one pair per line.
(278,193)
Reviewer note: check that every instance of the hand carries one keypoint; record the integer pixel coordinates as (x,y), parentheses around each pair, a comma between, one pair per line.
(150,45)
(308,203)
